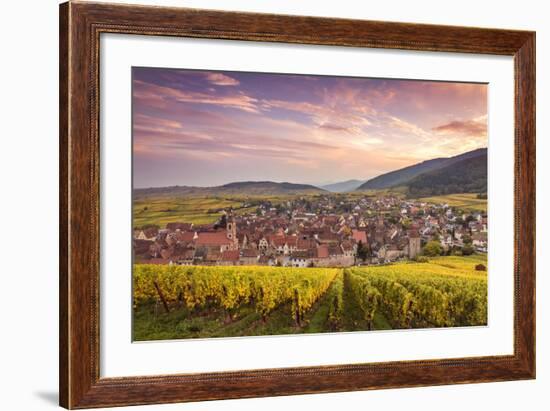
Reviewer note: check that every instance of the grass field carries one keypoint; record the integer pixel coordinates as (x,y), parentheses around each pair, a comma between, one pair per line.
(151,322)
(197,210)
(466,202)
(167,210)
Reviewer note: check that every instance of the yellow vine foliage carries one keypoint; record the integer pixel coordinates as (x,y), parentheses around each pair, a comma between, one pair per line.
(230,287)
(442,293)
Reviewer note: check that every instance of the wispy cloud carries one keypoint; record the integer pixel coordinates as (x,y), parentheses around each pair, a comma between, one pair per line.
(154,94)
(471,128)
(338,128)
(202,127)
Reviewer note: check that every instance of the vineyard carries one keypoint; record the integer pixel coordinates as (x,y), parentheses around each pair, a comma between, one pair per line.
(173,302)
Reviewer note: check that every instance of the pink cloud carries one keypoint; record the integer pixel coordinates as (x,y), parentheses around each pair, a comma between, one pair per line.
(336,127)
(150,123)
(363,126)
(152,95)
(349,116)
(471,128)
(220,79)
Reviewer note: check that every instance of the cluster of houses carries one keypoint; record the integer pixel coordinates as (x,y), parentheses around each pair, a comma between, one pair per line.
(330,232)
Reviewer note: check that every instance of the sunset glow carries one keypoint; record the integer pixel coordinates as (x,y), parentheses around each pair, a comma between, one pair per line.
(204,128)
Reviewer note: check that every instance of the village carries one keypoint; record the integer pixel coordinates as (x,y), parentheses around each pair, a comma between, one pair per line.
(317,231)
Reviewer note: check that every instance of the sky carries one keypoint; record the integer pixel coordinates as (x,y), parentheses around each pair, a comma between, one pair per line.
(208,128)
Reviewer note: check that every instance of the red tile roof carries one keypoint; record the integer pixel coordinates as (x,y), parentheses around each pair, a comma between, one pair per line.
(141,246)
(328,236)
(213,239)
(230,255)
(292,241)
(278,241)
(150,232)
(184,236)
(302,244)
(359,236)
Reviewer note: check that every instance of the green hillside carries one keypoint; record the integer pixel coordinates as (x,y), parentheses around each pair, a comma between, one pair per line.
(466,176)
(404,176)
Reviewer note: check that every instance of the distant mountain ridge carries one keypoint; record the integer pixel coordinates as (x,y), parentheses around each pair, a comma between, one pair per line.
(464,173)
(241,187)
(404,176)
(343,186)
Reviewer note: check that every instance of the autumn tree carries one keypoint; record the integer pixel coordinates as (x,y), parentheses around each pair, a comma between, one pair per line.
(432,249)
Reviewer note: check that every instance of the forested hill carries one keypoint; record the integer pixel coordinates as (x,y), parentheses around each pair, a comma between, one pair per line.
(422,174)
(466,176)
(397,177)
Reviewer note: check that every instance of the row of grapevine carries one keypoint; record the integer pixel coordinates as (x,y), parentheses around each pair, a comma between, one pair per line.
(232,287)
(335,298)
(366,296)
(419,298)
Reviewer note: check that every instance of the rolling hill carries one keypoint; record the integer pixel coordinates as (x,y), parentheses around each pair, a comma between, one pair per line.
(465,173)
(251,188)
(439,171)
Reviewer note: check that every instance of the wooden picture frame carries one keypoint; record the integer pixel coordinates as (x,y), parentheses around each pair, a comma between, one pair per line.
(80,27)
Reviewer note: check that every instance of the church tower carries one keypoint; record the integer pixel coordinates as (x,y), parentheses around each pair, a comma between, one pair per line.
(232,230)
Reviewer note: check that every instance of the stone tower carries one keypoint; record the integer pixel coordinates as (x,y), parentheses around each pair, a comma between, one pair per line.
(231,229)
(414,244)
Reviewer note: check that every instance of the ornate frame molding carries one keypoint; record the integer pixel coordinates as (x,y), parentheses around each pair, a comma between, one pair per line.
(81,25)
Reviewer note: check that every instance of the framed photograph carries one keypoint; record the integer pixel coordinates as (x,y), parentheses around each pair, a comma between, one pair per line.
(259,205)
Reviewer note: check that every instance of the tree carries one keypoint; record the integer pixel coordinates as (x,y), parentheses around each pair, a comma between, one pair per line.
(222,222)
(362,251)
(456,251)
(468,250)
(432,249)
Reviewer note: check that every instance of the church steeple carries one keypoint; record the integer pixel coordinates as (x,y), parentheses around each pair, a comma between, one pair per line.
(231,228)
